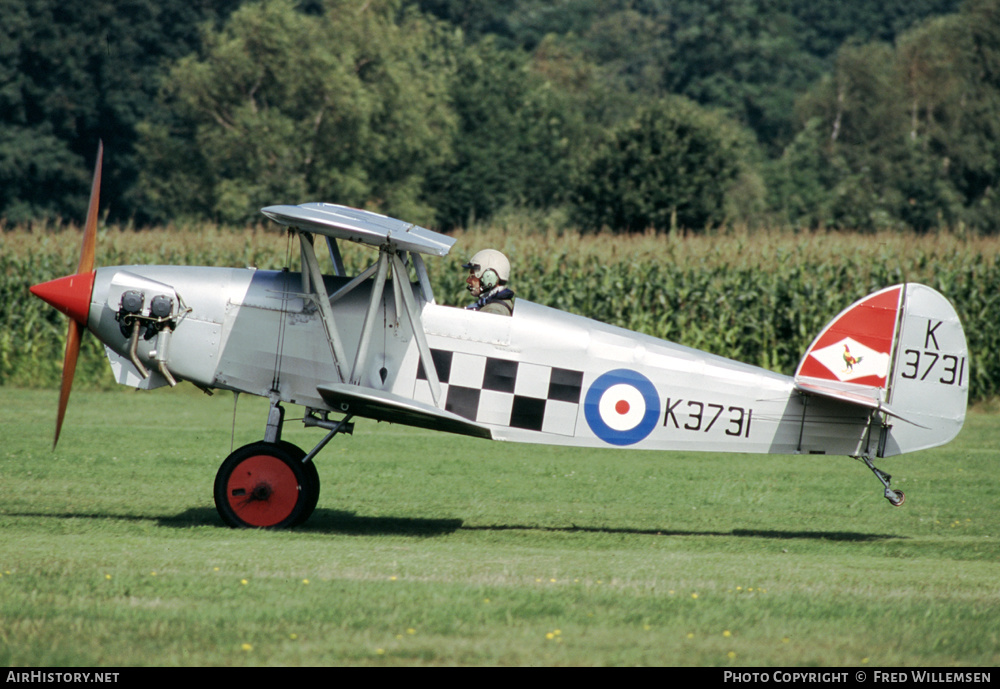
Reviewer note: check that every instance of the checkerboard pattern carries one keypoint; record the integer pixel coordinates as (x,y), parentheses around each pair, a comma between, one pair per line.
(505,393)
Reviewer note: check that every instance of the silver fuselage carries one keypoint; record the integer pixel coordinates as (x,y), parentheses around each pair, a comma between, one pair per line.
(533,377)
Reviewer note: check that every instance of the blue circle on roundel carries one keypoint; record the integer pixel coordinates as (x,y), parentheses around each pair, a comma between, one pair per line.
(633,383)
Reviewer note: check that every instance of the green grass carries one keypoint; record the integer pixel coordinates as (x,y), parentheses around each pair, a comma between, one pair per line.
(441,550)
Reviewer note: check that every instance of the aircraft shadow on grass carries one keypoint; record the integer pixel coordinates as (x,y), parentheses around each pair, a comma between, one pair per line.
(352,524)
(339,522)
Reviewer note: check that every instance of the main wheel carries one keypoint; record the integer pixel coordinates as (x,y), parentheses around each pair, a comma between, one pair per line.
(265,485)
(312,477)
(900,498)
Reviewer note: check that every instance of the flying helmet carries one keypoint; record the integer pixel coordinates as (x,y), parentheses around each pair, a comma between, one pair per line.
(490,266)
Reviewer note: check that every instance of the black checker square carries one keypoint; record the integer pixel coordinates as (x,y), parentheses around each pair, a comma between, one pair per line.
(442,364)
(527,413)
(504,392)
(565,385)
(462,401)
(501,375)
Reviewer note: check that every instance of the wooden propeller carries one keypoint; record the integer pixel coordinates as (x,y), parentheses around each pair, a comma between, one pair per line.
(71,294)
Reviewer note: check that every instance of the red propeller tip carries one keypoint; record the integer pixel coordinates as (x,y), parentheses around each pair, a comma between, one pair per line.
(70,294)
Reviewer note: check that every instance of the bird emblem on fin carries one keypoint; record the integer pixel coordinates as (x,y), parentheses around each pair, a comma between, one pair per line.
(850,359)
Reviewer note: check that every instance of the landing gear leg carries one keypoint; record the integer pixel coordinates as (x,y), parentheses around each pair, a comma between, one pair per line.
(272,434)
(895,497)
(275,420)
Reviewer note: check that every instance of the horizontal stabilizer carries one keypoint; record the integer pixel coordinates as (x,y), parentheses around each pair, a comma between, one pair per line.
(855,394)
(852,394)
(364,227)
(384,406)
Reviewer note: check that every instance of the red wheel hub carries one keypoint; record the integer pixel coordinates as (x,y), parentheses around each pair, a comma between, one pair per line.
(262,490)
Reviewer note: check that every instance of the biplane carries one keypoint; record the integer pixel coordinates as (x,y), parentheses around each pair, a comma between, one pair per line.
(886,376)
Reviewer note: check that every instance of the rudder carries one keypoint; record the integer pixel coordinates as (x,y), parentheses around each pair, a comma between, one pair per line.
(929,384)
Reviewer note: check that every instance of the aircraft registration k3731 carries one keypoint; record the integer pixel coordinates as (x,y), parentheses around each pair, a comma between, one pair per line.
(888,375)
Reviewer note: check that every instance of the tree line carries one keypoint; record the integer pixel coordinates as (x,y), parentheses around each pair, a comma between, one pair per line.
(613,114)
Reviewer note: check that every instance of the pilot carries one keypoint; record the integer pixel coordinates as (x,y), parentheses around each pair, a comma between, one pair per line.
(489,271)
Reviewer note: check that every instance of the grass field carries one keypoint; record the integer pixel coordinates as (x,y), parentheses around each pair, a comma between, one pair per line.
(429,549)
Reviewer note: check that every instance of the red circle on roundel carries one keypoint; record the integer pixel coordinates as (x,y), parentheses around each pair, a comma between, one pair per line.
(263,490)
(621,406)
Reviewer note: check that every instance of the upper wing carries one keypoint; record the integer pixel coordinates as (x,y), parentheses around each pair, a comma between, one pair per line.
(360,226)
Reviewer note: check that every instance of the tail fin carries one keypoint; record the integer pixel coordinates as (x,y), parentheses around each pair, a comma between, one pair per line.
(902,352)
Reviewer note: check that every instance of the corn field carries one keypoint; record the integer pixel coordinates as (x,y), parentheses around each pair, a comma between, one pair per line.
(758,297)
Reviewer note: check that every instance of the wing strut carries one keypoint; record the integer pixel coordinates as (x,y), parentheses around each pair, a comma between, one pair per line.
(418,330)
(335,257)
(369,325)
(425,280)
(312,279)
(346,289)
(311,268)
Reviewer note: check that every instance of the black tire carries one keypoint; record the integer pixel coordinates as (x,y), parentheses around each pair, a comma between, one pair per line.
(265,486)
(312,476)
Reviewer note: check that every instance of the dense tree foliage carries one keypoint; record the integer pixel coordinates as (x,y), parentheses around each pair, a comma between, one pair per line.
(515,143)
(749,57)
(850,114)
(281,105)
(73,72)
(672,166)
(904,134)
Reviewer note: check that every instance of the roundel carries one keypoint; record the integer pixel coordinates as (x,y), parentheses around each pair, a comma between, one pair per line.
(622,407)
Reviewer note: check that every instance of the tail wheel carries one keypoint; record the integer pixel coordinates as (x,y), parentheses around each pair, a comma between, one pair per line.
(265,485)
